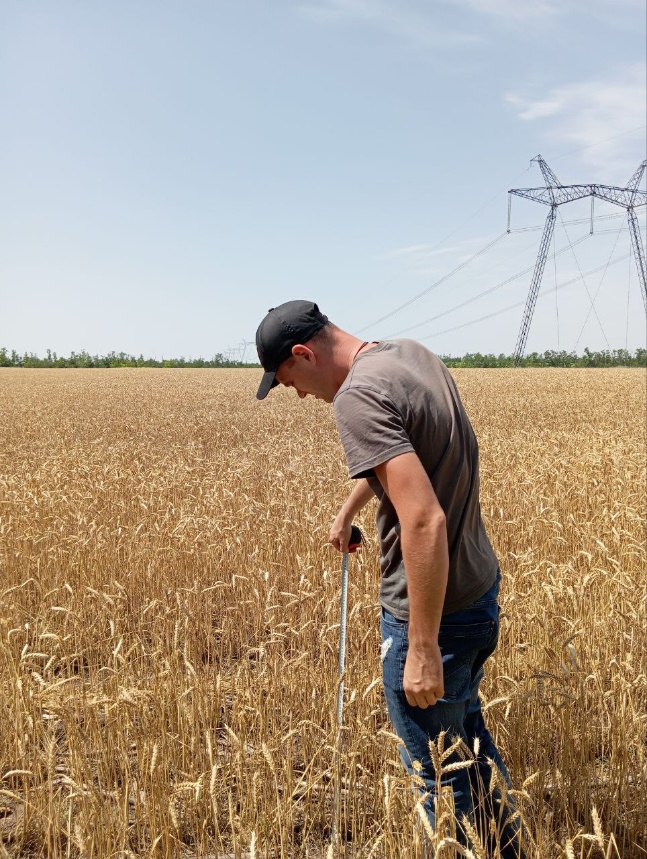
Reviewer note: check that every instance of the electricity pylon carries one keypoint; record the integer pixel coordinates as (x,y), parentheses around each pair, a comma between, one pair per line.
(243,349)
(554,195)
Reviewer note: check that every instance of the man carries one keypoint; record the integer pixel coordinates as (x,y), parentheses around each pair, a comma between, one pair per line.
(408,441)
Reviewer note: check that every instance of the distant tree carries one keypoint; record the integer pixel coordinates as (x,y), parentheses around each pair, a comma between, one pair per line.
(549,358)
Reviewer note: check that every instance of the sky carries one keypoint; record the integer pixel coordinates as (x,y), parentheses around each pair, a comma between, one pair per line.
(171,170)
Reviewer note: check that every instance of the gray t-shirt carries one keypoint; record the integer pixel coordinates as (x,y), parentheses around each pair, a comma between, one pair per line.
(400,397)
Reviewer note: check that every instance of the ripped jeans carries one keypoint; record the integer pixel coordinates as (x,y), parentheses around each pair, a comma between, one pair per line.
(467,637)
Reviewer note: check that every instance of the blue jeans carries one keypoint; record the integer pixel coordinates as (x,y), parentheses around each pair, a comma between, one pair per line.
(466,638)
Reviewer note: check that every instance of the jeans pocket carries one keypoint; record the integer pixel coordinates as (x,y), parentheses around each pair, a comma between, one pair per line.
(463,646)
(393,652)
(390,620)
(480,634)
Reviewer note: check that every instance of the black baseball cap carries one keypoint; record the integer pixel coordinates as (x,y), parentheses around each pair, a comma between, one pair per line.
(284,327)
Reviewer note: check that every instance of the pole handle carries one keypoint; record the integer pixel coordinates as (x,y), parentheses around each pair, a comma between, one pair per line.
(356,539)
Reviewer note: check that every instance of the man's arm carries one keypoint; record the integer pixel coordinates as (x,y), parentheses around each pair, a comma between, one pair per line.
(340,530)
(423,533)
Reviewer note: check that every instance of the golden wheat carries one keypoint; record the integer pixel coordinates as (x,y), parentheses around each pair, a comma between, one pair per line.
(169,618)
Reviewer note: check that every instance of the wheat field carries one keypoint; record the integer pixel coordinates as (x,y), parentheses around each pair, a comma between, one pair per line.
(169,619)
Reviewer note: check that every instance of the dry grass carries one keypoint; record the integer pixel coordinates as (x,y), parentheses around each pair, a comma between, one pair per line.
(169,618)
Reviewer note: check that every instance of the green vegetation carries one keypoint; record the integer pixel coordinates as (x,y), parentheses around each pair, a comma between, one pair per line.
(606,358)
(112,359)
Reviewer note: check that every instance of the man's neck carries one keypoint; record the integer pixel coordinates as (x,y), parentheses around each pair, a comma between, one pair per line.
(346,351)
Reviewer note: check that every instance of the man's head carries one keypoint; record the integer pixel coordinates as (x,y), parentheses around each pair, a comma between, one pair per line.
(287,326)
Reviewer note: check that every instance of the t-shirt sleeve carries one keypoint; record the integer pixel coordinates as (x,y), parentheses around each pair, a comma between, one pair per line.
(371,429)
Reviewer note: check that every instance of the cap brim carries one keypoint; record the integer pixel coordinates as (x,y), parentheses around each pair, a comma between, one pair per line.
(267,383)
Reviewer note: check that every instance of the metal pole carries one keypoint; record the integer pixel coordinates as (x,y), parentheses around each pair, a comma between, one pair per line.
(340,696)
(536,283)
(355,540)
(639,252)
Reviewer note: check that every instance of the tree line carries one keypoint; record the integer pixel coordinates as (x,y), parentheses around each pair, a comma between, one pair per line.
(112,359)
(550,358)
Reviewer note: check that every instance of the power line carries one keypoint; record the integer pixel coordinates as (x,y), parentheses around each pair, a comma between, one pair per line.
(599,142)
(467,220)
(458,268)
(439,244)
(433,285)
(597,292)
(575,222)
(471,217)
(482,294)
(521,303)
(586,286)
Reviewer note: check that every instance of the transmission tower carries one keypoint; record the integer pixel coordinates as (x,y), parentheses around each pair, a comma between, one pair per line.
(554,195)
(243,349)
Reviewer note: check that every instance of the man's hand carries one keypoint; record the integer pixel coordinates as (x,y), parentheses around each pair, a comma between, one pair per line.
(341,527)
(340,533)
(423,675)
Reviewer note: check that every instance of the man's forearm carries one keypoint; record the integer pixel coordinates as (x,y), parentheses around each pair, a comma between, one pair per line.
(341,527)
(426,563)
(423,535)
(359,497)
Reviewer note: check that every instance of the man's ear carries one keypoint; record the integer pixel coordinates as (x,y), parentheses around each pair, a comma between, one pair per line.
(301,351)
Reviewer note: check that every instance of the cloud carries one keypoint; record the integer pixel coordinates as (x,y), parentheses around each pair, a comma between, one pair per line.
(415,252)
(408,20)
(421,258)
(513,12)
(595,116)
(426,22)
